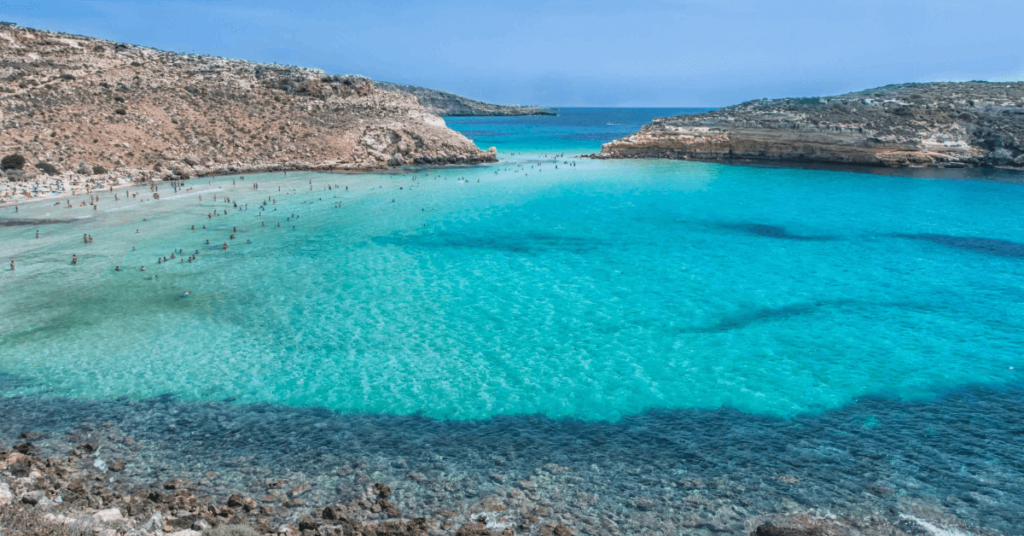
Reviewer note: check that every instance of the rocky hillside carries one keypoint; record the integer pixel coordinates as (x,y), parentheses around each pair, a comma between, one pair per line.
(939,124)
(450,104)
(80,104)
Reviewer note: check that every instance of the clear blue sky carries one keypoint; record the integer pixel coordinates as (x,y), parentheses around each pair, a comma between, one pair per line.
(582,53)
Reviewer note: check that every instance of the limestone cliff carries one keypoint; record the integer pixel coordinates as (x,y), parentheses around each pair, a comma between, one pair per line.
(450,104)
(936,124)
(80,104)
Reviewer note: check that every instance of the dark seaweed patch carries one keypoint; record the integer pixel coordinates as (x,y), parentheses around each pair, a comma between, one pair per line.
(766,314)
(770,231)
(19,222)
(987,246)
(519,242)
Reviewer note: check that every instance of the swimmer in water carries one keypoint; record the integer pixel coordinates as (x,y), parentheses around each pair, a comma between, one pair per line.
(117,268)
(74,259)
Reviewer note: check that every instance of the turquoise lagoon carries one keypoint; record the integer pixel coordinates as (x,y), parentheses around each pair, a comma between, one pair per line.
(681,317)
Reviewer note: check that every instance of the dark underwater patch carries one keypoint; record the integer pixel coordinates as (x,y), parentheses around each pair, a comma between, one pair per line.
(766,314)
(19,222)
(769,231)
(987,246)
(966,441)
(516,243)
(757,315)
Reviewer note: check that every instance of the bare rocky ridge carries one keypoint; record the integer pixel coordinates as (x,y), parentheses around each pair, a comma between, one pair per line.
(937,124)
(450,104)
(88,106)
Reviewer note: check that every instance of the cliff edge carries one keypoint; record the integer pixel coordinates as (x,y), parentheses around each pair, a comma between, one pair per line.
(450,104)
(936,124)
(79,104)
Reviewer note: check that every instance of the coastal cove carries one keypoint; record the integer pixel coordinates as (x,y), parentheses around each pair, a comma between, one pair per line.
(625,346)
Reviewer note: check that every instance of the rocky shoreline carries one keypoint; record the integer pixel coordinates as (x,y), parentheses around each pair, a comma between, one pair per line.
(449,104)
(83,491)
(97,478)
(91,110)
(951,125)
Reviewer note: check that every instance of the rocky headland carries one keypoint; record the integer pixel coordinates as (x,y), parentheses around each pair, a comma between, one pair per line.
(969,124)
(450,104)
(84,108)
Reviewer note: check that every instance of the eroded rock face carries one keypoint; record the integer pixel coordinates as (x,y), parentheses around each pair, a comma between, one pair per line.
(939,125)
(78,103)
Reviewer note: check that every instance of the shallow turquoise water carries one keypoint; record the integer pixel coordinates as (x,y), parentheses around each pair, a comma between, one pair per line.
(683,341)
(593,291)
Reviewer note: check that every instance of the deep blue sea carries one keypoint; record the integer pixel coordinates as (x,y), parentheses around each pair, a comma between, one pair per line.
(674,346)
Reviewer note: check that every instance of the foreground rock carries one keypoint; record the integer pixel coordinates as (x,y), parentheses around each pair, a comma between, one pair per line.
(85,491)
(82,107)
(450,104)
(937,125)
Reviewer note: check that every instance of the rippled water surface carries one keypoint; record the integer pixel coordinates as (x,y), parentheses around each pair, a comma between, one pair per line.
(574,300)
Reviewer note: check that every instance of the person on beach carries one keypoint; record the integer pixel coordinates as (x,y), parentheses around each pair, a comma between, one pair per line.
(12,265)
(37,234)
(74,259)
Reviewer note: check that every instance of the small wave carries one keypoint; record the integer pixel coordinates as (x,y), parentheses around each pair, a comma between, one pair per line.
(934,530)
(119,208)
